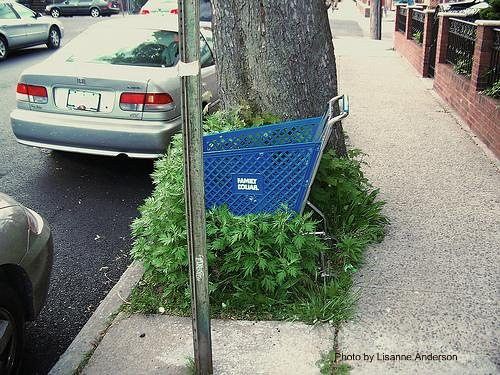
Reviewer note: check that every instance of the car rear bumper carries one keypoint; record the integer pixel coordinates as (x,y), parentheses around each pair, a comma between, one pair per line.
(110,11)
(93,135)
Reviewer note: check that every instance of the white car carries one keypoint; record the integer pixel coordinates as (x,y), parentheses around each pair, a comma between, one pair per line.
(160,7)
(108,95)
(20,27)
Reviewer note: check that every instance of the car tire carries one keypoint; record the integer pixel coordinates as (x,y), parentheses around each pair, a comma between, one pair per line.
(54,41)
(12,315)
(95,12)
(55,12)
(4,48)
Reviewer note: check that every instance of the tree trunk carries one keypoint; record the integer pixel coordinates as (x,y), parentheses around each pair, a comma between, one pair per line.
(276,56)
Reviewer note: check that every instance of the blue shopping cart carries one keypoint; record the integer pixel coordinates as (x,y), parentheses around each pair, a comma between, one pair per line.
(260,169)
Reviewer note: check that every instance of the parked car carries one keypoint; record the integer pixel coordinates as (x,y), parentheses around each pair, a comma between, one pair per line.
(94,8)
(26,254)
(466,9)
(105,95)
(21,27)
(160,7)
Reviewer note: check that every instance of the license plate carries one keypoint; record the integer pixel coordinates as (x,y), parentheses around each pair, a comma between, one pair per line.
(83,100)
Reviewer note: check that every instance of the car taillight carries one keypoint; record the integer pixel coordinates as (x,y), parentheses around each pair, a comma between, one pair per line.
(144,11)
(130,101)
(174,11)
(146,102)
(31,93)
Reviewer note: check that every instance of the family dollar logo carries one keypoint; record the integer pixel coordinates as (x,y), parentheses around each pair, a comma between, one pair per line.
(248,183)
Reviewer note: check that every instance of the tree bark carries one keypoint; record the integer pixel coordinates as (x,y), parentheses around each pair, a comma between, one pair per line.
(276,56)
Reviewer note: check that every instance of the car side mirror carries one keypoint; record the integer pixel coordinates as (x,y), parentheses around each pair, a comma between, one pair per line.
(38,14)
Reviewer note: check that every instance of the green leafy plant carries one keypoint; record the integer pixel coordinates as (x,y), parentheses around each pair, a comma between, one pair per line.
(224,121)
(256,119)
(254,260)
(353,212)
(190,366)
(259,258)
(491,13)
(418,36)
(347,198)
(328,365)
(332,302)
(261,265)
(493,91)
(463,67)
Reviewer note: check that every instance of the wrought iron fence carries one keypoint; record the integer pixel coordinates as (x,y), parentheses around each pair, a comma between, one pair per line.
(433,36)
(401,19)
(494,71)
(460,49)
(417,25)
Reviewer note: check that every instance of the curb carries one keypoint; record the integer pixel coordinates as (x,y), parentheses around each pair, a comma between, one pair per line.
(92,332)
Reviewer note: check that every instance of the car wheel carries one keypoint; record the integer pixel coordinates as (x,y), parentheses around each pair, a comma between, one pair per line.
(3,49)
(11,331)
(55,12)
(94,12)
(54,40)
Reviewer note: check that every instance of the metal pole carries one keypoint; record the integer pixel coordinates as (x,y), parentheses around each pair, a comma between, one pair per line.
(376,19)
(189,70)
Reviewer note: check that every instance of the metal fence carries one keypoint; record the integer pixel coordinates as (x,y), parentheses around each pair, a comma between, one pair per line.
(460,49)
(401,19)
(417,25)
(494,71)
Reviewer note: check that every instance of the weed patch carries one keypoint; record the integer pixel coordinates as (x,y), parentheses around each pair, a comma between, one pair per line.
(328,365)
(262,266)
(493,91)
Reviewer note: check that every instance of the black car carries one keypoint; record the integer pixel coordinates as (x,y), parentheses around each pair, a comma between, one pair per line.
(94,8)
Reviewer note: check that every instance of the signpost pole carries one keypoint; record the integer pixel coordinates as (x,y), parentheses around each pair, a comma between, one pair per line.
(189,71)
(376,19)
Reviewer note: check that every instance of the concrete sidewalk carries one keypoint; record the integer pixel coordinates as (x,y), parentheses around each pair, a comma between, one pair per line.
(162,345)
(432,285)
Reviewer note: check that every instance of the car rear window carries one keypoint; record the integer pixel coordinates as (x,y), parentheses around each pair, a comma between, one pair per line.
(171,3)
(135,47)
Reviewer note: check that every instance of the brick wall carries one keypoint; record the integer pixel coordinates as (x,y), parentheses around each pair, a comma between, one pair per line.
(480,112)
(416,54)
(410,50)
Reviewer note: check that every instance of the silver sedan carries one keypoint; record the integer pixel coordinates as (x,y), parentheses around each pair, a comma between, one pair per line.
(112,90)
(21,27)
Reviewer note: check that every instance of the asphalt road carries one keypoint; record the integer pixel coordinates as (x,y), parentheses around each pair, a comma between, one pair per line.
(89,203)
